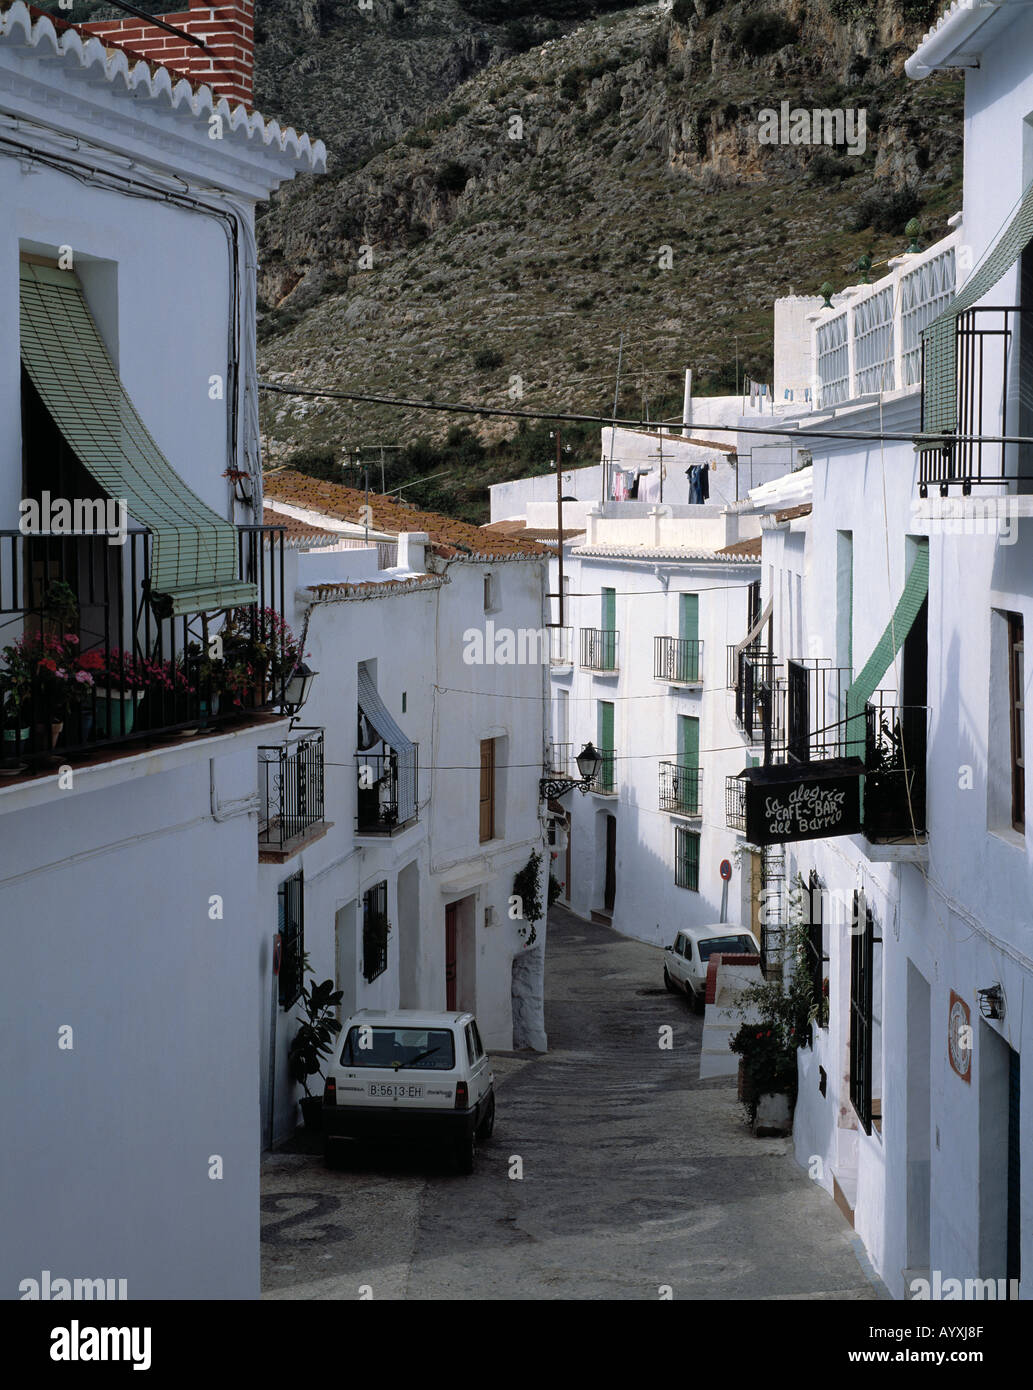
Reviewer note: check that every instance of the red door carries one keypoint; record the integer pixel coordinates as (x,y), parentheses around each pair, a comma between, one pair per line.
(450,956)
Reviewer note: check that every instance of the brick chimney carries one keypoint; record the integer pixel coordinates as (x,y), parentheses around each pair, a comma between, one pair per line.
(227,29)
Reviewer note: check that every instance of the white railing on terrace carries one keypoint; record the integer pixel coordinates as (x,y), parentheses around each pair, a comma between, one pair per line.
(872,343)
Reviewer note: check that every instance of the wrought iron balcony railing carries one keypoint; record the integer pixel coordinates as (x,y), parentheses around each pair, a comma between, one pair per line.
(599,649)
(681,789)
(88,663)
(290,789)
(383,805)
(735,804)
(896,741)
(606,782)
(561,646)
(815,694)
(992,383)
(561,760)
(677,660)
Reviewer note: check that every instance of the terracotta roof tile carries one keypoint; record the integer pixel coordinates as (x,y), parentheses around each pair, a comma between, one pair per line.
(450,539)
(749,548)
(296,531)
(791,513)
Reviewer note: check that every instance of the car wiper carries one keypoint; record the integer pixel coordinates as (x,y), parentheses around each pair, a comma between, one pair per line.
(419,1057)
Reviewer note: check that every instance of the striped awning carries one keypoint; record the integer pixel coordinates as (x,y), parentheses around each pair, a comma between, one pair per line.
(373,707)
(194,550)
(864,687)
(940,393)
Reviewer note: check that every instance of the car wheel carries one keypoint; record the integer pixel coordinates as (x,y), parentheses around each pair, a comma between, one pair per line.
(488,1123)
(466,1152)
(335,1154)
(668,982)
(697,1001)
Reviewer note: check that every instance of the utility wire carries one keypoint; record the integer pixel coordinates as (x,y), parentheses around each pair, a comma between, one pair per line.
(566,417)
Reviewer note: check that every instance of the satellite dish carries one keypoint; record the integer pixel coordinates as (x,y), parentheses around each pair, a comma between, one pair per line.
(367,735)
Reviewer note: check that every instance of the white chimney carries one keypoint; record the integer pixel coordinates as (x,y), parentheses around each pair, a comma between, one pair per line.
(412,550)
(686,412)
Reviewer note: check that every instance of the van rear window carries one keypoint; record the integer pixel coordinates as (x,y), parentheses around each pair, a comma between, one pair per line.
(406,1049)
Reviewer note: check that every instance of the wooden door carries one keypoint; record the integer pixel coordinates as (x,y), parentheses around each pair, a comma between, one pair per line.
(687,665)
(487,821)
(610,888)
(451,912)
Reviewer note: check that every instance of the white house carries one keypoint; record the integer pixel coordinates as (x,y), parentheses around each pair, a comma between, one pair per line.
(128,862)
(429,716)
(916,588)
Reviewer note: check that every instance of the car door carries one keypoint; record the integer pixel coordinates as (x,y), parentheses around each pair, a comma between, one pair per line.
(677,967)
(477,1061)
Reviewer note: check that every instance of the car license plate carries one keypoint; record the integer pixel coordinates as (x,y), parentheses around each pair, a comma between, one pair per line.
(396,1089)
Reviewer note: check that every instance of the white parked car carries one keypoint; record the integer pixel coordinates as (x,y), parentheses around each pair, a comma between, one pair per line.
(685,963)
(409,1077)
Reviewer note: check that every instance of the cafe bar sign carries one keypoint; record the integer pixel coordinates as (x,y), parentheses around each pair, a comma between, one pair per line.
(803,801)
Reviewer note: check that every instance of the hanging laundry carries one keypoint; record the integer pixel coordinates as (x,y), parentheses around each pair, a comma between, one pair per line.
(699,485)
(649,486)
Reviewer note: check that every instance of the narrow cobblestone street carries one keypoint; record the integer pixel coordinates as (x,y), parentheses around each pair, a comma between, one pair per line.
(635,1174)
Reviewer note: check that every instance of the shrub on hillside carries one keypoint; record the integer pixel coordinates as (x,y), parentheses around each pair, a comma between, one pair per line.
(451,177)
(886,210)
(765,33)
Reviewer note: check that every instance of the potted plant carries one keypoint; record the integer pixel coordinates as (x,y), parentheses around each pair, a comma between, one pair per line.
(312,1043)
(242,485)
(120,680)
(41,683)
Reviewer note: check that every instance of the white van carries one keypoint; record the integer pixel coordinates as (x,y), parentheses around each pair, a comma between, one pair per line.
(409,1077)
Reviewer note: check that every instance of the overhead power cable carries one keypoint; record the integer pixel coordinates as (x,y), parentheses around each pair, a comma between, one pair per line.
(567,417)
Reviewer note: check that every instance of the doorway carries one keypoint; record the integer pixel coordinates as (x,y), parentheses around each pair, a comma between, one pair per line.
(999,1172)
(610,880)
(451,925)
(346,958)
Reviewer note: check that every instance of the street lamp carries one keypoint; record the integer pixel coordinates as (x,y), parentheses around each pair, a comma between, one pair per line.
(589,761)
(296,691)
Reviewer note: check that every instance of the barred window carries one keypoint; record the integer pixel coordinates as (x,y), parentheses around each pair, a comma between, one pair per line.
(291,926)
(862,972)
(374,931)
(814,946)
(686,858)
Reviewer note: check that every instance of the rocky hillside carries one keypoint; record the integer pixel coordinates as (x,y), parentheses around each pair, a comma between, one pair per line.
(492,257)
(505,178)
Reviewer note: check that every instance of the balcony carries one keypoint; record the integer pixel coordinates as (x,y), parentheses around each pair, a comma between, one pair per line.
(599,650)
(290,791)
(755,683)
(988,402)
(896,739)
(561,646)
(735,804)
(561,760)
(681,789)
(815,694)
(388,787)
(678,660)
(90,668)
(606,783)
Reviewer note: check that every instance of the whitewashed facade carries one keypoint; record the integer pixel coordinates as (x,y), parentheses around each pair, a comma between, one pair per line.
(913,1111)
(430,632)
(128,882)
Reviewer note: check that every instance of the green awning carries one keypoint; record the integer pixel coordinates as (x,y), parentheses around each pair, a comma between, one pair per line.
(864,687)
(194,550)
(940,391)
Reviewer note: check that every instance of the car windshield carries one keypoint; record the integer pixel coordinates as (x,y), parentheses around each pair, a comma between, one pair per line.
(730,945)
(420,1049)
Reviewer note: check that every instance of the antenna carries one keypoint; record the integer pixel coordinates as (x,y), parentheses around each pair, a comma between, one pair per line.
(158,23)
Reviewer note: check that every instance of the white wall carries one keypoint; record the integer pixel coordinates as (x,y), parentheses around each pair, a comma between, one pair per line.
(106,897)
